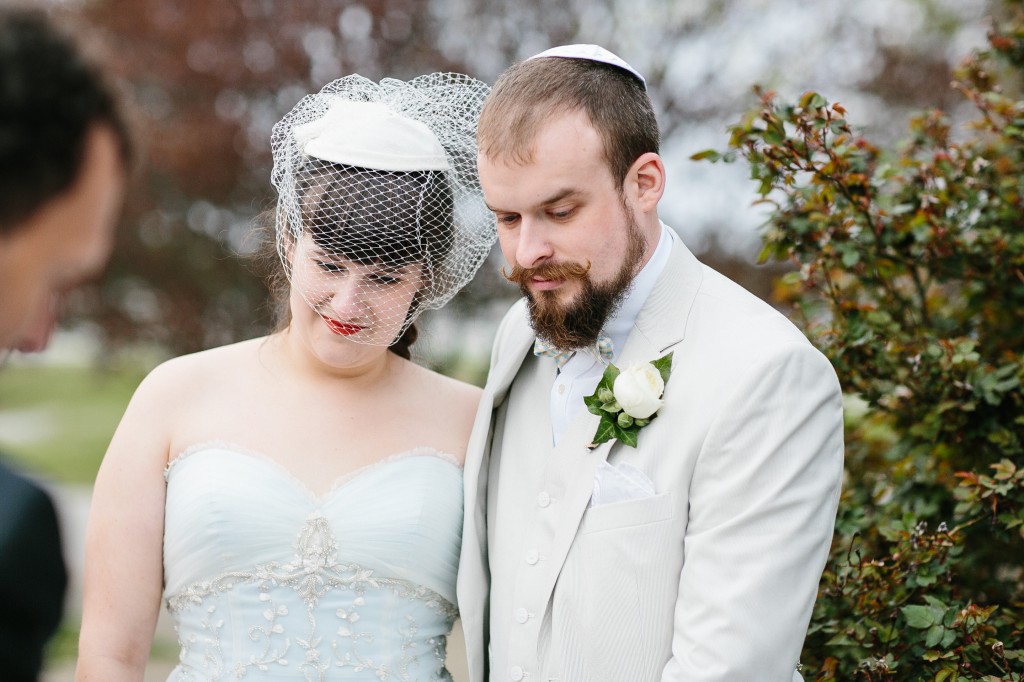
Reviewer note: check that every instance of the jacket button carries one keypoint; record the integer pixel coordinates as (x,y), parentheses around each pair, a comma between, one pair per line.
(543,499)
(522,615)
(516,673)
(532,556)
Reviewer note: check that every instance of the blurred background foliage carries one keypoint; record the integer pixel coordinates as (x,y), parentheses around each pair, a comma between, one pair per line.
(210,79)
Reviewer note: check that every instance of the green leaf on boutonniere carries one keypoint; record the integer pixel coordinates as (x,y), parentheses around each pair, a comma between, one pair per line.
(628,436)
(664,366)
(603,397)
(605,431)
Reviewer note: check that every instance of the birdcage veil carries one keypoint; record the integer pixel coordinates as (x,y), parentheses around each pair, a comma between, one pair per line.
(380,214)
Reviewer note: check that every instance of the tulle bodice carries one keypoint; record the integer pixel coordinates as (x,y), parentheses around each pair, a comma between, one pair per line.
(267,581)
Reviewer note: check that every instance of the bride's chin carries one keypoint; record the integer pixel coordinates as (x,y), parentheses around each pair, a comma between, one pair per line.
(339,352)
(335,351)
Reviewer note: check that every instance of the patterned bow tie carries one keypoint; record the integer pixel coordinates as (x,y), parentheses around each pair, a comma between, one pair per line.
(603,350)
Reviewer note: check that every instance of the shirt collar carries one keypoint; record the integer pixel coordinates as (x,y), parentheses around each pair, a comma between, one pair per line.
(620,324)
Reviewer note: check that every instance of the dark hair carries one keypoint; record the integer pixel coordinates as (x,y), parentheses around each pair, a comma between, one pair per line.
(529,93)
(374,216)
(50,98)
(368,216)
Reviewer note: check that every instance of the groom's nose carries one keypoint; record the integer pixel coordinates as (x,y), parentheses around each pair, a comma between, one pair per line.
(532,244)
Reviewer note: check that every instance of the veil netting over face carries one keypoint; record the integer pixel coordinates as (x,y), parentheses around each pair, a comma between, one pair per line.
(380,214)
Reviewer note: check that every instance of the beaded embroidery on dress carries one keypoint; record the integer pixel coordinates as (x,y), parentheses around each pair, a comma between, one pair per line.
(267,581)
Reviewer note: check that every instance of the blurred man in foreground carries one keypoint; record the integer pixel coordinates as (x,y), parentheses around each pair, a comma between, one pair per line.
(64,155)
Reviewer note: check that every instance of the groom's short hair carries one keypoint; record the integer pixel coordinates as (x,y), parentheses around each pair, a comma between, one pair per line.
(533,91)
(51,96)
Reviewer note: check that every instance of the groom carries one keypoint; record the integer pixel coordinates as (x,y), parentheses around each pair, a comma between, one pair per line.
(695,555)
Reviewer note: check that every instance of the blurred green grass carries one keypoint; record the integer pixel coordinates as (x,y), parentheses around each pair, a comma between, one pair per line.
(58,420)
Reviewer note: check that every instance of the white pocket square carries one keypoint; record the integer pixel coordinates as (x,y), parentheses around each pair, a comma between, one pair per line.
(619,483)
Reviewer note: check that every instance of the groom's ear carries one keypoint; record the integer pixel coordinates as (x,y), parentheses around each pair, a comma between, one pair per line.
(646,181)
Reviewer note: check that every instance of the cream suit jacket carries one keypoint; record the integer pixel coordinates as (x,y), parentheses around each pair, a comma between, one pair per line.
(712,578)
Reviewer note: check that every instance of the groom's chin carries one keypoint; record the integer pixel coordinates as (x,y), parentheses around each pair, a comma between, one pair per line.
(560,331)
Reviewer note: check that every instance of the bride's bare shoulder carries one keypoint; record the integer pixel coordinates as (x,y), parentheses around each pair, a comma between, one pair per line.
(212,367)
(442,408)
(448,399)
(450,388)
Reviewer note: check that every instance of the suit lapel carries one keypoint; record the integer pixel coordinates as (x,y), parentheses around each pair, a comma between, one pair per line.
(570,474)
(515,348)
(663,319)
(660,325)
(514,340)
(504,367)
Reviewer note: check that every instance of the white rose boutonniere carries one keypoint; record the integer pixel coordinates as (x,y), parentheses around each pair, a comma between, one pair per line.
(627,400)
(638,390)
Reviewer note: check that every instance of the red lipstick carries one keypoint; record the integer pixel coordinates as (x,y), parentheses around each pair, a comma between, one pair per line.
(341,328)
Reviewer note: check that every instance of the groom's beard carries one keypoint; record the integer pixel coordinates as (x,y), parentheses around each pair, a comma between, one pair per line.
(578,323)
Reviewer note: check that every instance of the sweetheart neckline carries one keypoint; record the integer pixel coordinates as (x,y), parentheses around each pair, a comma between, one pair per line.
(338,483)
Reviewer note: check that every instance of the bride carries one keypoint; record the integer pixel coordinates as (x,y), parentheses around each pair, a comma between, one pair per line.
(296,500)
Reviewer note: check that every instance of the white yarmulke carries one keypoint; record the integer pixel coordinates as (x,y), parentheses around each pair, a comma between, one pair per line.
(371,135)
(594,53)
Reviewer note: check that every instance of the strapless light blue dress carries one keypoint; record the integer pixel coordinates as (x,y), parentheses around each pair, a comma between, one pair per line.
(267,581)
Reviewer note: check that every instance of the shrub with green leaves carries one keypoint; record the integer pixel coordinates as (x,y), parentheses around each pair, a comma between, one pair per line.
(909,274)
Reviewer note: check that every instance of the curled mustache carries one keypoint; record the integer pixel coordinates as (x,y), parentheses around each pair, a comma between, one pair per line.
(566,271)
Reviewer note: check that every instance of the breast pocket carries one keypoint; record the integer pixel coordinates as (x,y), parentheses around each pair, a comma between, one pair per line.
(627,514)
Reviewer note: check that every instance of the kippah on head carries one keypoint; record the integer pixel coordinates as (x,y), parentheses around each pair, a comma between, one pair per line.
(594,53)
(569,78)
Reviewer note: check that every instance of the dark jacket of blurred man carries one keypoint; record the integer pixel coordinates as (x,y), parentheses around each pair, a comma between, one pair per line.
(64,155)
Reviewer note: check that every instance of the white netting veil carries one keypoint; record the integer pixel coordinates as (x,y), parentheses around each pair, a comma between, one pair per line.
(380,214)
